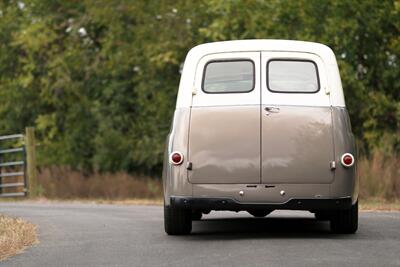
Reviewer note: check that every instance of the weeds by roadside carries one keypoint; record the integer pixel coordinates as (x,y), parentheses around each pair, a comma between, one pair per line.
(376,204)
(15,235)
(64,183)
(379,176)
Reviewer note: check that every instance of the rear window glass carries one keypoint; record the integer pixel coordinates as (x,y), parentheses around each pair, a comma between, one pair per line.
(233,76)
(292,76)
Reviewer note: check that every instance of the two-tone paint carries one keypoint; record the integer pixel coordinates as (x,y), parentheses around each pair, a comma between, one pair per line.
(260,147)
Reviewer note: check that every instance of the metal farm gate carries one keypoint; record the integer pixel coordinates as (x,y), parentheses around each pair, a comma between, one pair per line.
(17,163)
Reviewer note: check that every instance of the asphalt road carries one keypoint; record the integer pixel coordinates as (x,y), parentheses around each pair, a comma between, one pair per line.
(116,235)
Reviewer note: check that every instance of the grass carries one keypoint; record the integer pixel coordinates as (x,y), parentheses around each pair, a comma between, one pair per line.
(379,176)
(15,235)
(151,202)
(128,201)
(64,183)
(379,205)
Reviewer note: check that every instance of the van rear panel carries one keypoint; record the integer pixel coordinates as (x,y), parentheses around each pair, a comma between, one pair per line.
(297,145)
(224,144)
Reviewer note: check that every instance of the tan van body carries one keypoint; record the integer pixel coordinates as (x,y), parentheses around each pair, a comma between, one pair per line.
(260,125)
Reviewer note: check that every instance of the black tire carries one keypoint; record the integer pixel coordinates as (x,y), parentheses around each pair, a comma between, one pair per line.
(196,215)
(322,216)
(177,221)
(345,221)
(259,213)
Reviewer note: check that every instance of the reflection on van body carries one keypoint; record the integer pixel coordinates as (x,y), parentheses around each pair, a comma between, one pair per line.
(260,125)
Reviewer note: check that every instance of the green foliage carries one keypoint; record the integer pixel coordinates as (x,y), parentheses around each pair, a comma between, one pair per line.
(98,79)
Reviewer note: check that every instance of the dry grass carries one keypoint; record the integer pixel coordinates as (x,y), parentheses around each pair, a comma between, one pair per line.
(128,201)
(63,183)
(150,202)
(15,235)
(380,177)
(379,205)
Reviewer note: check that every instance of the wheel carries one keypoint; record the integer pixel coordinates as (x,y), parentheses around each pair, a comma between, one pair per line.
(259,213)
(177,221)
(196,215)
(345,221)
(322,216)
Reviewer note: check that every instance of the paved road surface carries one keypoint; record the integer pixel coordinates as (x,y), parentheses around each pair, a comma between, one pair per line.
(113,235)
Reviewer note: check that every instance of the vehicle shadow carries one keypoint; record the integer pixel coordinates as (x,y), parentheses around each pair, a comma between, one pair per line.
(274,227)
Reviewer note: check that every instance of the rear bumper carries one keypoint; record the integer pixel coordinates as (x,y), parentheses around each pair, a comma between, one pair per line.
(230,204)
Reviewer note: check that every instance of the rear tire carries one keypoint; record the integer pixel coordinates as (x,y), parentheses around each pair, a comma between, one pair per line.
(177,221)
(345,221)
(322,216)
(196,215)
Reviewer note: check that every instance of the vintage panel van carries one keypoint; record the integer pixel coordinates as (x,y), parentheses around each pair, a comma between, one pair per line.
(260,125)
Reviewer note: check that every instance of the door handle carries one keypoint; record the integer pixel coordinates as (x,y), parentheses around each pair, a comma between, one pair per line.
(270,110)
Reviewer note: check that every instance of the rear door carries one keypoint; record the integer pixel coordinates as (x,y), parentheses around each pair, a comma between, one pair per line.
(297,143)
(224,134)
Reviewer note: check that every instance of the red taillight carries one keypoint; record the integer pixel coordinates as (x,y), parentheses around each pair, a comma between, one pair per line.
(176,158)
(347,160)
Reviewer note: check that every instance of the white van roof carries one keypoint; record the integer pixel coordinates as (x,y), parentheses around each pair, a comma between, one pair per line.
(265,45)
(199,51)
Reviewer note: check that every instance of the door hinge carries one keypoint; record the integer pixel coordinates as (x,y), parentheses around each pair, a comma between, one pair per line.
(333,165)
(189,166)
(327,90)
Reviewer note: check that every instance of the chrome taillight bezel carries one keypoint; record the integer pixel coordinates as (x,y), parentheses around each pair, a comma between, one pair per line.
(352,160)
(173,162)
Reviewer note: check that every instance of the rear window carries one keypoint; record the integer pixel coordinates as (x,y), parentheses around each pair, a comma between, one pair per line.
(228,76)
(292,76)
